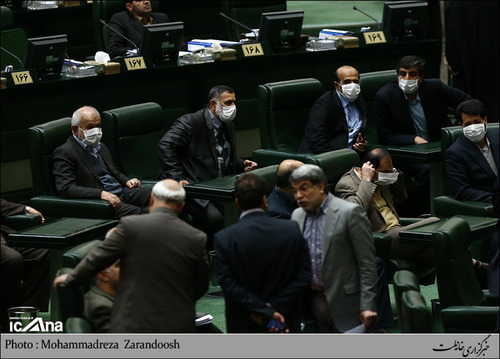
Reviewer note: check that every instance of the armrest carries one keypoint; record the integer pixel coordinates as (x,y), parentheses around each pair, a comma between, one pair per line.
(267,157)
(22,221)
(54,206)
(408,220)
(447,206)
(382,245)
(462,318)
(73,256)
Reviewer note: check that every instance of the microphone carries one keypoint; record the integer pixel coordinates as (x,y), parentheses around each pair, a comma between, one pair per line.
(239,23)
(116,31)
(364,13)
(14,56)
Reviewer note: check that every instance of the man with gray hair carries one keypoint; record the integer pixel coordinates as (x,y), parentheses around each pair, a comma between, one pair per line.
(83,168)
(201,146)
(342,253)
(163,267)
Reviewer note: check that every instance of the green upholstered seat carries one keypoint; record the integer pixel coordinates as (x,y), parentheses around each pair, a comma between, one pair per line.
(248,13)
(13,40)
(22,221)
(415,315)
(44,139)
(447,205)
(402,281)
(132,134)
(465,308)
(73,256)
(283,114)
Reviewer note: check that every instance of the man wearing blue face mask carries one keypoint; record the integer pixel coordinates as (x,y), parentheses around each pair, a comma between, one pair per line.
(83,168)
(472,162)
(378,187)
(338,118)
(201,146)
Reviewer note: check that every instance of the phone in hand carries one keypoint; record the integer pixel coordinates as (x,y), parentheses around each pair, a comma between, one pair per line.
(278,325)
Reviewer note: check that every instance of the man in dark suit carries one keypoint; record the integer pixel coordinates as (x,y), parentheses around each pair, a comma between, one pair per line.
(163,267)
(263,264)
(83,168)
(130,23)
(201,146)
(25,272)
(280,202)
(472,162)
(412,110)
(338,118)
(342,252)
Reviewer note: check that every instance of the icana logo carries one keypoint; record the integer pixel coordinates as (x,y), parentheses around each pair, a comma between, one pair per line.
(37,325)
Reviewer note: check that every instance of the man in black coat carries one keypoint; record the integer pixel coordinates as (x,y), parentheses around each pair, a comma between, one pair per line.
(201,146)
(338,118)
(130,23)
(83,168)
(263,265)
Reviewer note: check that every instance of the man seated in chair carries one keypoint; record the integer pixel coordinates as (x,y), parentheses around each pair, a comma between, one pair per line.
(338,118)
(472,162)
(99,300)
(83,168)
(130,23)
(378,187)
(201,146)
(281,203)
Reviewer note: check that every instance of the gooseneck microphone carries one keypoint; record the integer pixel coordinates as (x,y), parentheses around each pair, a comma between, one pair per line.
(14,56)
(364,13)
(239,23)
(116,31)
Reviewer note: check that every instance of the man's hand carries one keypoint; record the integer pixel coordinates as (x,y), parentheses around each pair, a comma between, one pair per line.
(368,317)
(60,280)
(250,165)
(279,318)
(367,171)
(183,183)
(418,140)
(112,199)
(34,211)
(133,183)
(360,144)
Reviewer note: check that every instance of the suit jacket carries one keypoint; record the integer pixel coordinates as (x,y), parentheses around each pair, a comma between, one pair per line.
(470,175)
(127,25)
(327,128)
(394,121)
(188,150)
(74,171)
(97,307)
(163,272)
(351,188)
(9,209)
(349,270)
(262,260)
(280,204)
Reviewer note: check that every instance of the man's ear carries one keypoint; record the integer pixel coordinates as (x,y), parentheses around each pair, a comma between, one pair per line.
(151,200)
(237,204)
(74,129)
(102,276)
(321,187)
(129,6)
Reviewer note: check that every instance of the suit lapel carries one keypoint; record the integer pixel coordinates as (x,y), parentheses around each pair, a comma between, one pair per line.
(331,220)
(337,100)
(211,137)
(493,137)
(84,157)
(475,154)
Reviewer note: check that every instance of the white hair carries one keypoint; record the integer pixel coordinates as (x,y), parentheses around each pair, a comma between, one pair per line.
(76,119)
(162,192)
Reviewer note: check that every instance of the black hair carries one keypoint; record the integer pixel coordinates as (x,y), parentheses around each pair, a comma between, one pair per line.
(471,108)
(375,156)
(216,91)
(409,61)
(249,190)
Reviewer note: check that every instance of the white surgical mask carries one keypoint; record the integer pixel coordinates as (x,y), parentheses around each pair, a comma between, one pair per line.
(408,86)
(225,113)
(475,133)
(92,136)
(351,91)
(385,179)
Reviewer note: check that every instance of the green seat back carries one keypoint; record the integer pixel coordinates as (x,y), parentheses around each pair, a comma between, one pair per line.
(402,281)
(70,297)
(13,40)
(284,110)
(248,13)
(132,134)
(74,255)
(7,18)
(415,315)
(370,83)
(268,173)
(457,283)
(44,139)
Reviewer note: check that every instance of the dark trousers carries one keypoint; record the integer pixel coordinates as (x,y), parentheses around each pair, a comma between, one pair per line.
(384,309)
(134,201)
(31,267)
(209,218)
(418,201)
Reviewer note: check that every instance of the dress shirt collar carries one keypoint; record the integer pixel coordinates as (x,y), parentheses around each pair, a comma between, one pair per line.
(323,209)
(417,99)
(249,211)
(84,146)
(215,121)
(342,99)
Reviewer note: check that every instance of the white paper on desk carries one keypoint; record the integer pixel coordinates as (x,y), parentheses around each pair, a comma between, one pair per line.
(359,329)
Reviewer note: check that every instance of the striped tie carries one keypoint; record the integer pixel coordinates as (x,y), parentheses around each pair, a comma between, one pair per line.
(222,150)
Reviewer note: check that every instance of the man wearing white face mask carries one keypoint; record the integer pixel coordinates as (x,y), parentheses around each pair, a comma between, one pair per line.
(201,146)
(83,168)
(338,118)
(472,162)
(378,187)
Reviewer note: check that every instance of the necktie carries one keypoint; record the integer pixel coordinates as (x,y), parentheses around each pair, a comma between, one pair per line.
(222,150)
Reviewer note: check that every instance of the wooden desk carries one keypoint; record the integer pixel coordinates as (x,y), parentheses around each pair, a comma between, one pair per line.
(58,236)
